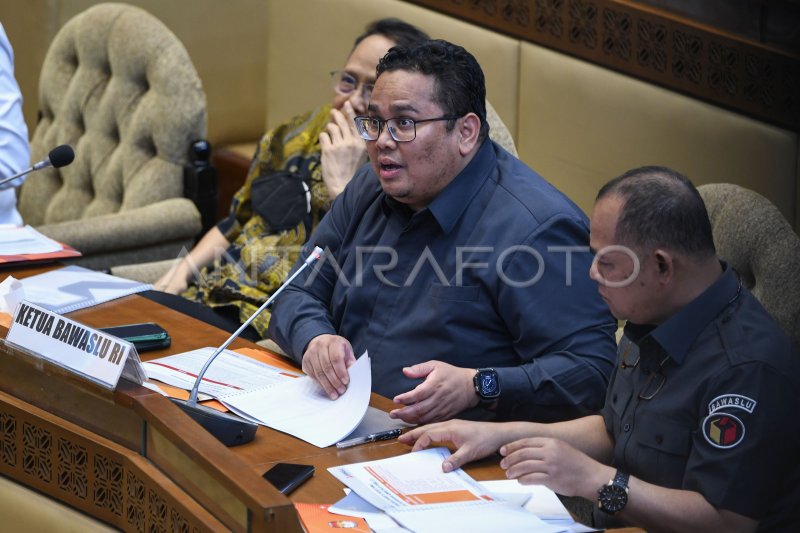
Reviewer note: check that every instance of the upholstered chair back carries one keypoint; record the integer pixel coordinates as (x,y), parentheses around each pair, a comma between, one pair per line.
(752,235)
(118,86)
(498,132)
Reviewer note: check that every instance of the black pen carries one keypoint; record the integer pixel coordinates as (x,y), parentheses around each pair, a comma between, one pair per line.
(381,435)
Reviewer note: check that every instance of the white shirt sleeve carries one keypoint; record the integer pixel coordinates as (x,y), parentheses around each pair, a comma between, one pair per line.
(14,149)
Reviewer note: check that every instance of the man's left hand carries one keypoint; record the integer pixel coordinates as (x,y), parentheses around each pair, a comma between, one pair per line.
(556,465)
(446,391)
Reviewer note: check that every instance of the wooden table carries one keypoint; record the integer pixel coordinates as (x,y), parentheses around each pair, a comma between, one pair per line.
(132,459)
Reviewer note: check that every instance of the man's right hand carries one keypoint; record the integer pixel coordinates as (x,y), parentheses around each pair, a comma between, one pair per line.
(176,280)
(473,440)
(342,150)
(326,361)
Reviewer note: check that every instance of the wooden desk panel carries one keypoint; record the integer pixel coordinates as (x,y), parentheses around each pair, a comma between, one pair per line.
(79,468)
(191,483)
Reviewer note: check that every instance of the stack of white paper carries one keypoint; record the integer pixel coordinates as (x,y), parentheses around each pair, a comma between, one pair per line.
(540,501)
(413,490)
(71,288)
(271,396)
(17,240)
(230,373)
(536,499)
(301,408)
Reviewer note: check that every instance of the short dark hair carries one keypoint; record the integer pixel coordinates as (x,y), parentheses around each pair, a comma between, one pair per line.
(459,87)
(661,208)
(402,33)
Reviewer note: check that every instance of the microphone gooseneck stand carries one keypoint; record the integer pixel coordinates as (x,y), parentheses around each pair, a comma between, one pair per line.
(229,429)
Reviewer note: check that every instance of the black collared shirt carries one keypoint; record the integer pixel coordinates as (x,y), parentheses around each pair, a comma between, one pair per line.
(723,383)
(481,277)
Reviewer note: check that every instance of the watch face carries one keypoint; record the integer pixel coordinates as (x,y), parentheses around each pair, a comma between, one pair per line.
(488,385)
(612,498)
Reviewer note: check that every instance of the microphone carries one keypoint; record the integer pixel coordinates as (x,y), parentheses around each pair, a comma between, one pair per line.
(232,430)
(60,156)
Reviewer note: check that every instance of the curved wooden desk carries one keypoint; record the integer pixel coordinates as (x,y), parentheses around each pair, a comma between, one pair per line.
(132,459)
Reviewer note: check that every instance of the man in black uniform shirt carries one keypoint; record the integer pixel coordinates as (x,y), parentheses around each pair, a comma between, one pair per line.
(699,431)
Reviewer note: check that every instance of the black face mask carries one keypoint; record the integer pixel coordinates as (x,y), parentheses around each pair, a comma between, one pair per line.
(282,199)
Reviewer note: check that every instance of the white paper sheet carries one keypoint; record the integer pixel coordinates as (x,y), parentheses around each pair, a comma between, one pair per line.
(300,407)
(71,288)
(25,240)
(354,505)
(376,421)
(229,373)
(413,490)
(538,500)
(542,502)
(11,294)
(497,517)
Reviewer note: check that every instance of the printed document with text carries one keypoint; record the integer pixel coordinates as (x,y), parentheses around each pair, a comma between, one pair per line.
(414,491)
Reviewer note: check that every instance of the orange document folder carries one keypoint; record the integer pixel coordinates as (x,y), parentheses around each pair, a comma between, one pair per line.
(64,253)
(316,519)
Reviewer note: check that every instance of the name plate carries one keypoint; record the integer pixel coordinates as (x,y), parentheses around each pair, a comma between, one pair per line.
(93,354)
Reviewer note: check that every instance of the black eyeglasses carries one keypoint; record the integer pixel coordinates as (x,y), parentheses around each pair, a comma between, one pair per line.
(402,130)
(654,382)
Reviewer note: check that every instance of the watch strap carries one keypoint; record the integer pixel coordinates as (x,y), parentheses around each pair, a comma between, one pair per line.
(621,479)
(613,496)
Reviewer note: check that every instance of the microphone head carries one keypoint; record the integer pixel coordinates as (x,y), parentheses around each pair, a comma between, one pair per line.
(315,255)
(61,156)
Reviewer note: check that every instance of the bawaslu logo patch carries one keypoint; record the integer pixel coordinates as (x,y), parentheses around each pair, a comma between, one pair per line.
(721,428)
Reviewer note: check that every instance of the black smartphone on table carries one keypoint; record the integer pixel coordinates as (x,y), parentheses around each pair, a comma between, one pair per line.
(145,336)
(288,476)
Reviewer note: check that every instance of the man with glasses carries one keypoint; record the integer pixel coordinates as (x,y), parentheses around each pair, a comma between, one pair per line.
(698,430)
(298,169)
(451,262)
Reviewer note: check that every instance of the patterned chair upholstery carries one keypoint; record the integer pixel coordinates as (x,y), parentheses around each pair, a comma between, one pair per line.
(498,131)
(119,87)
(755,239)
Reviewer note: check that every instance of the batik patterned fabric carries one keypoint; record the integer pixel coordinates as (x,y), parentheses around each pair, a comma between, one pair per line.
(259,258)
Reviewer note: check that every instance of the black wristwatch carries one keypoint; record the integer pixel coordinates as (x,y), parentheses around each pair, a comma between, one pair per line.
(613,497)
(487,383)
